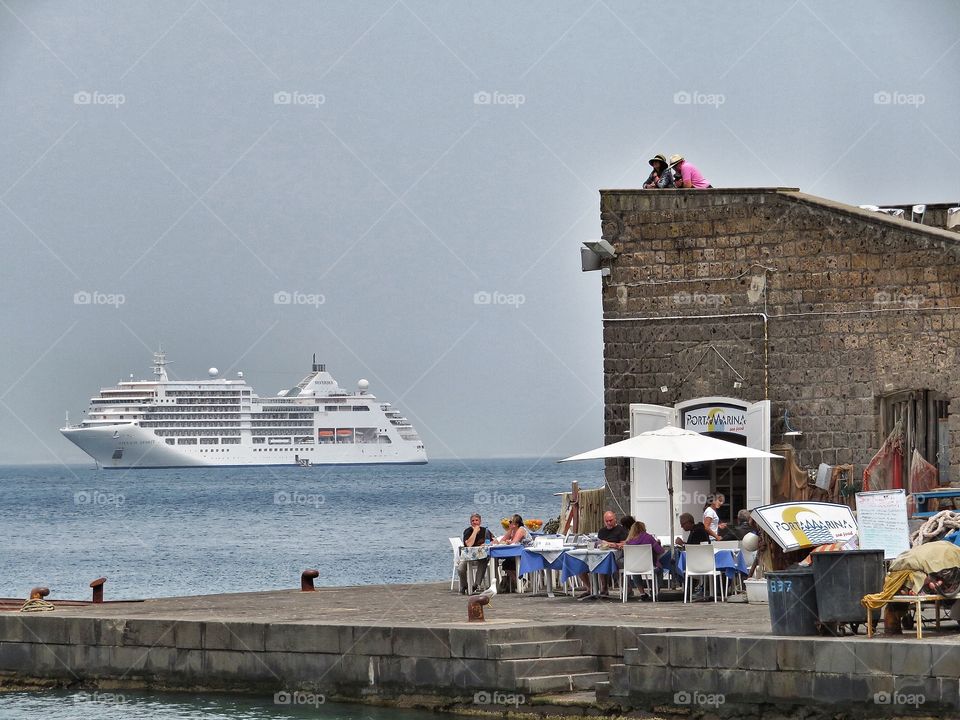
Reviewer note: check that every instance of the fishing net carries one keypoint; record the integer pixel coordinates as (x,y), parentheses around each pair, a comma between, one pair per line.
(591,509)
(923,475)
(885,471)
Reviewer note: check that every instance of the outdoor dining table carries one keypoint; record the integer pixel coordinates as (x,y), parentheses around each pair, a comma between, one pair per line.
(595,562)
(501,552)
(505,551)
(534,560)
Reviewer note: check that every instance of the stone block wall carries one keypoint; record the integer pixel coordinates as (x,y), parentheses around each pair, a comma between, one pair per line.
(823,308)
(339,660)
(747,677)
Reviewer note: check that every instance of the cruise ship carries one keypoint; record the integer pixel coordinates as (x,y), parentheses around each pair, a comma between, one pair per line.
(163,423)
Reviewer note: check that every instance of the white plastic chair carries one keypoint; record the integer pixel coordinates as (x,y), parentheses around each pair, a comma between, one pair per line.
(732,545)
(700,563)
(953,217)
(455,543)
(916,210)
(638,561)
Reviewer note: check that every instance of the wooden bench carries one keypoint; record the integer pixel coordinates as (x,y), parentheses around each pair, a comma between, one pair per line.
(915,600)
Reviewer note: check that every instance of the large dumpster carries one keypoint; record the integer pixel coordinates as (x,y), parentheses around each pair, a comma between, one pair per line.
(842,579)
(793,602)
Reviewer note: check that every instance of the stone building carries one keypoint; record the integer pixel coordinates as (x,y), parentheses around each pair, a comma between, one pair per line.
(767,315)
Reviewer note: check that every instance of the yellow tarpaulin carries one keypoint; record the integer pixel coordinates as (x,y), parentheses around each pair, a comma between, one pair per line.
(891,587)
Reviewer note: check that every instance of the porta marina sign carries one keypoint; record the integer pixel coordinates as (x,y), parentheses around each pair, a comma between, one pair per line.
(806,524)
(716,419)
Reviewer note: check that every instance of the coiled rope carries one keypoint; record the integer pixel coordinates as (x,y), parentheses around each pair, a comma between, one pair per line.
(936,527)
(36,605)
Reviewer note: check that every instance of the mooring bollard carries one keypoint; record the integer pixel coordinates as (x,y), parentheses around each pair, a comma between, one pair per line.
(475,607)
(97,586)
(39,593)
(306,580)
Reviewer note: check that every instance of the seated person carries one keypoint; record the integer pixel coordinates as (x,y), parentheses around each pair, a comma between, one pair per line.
(627,521)
(474,536)
(696,532)
(740,530)
(611,536)
(515,535)
(661,176)
(687,174)
(638,535)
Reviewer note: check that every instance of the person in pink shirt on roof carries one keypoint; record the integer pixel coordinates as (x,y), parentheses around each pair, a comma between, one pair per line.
(688,174)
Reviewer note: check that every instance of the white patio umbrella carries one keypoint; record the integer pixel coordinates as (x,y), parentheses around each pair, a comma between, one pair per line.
(672,444)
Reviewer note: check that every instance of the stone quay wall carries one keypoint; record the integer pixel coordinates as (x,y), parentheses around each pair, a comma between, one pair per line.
(674,674)
(345,660)
(760,677)
(823,308)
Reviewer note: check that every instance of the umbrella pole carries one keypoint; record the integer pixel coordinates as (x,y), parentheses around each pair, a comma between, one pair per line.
(673,548)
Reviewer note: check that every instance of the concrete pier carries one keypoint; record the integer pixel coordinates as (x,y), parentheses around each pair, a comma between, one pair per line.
(413,645)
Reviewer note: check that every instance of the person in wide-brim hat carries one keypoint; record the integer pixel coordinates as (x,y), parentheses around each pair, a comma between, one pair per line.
(687,174)
(661,176)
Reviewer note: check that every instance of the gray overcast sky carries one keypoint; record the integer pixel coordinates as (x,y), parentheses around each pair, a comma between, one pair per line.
(396,158)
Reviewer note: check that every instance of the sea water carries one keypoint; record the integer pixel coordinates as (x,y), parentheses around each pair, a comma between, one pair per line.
(157,533)
(123,705)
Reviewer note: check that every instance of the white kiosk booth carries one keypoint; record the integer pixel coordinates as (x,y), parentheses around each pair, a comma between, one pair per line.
(745,483)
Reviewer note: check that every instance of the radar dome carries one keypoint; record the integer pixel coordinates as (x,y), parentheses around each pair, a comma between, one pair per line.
(363,384)
(213,372)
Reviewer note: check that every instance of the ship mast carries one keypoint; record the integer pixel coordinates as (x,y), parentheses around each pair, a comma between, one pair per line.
(160,365)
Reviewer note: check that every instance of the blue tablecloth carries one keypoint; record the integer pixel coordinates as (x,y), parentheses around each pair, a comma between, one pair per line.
(505,551)
(728,561)
(533,561)
(573,566)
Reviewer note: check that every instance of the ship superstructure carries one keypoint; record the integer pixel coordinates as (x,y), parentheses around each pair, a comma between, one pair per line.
(220,421)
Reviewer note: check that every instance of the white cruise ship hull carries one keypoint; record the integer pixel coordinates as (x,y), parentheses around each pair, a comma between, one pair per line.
(130,446)
(220,422)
